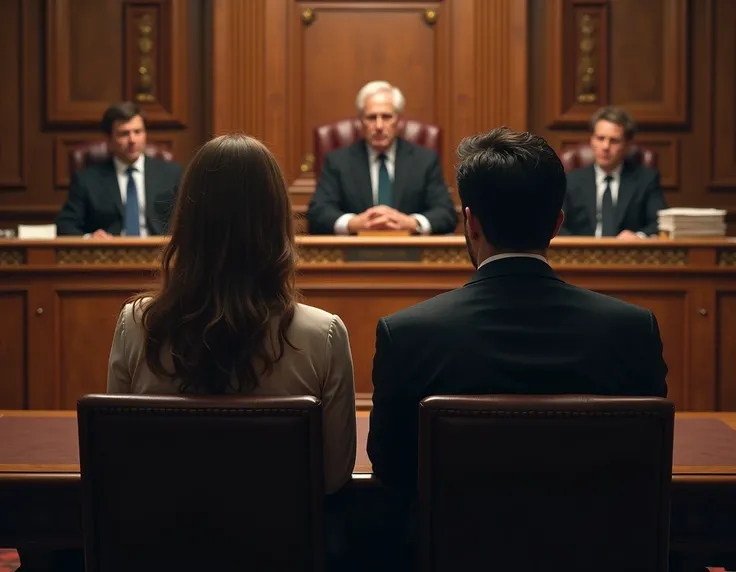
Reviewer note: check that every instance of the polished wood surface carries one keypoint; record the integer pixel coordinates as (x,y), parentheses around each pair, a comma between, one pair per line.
(60,299)
(44,498)
(682,473)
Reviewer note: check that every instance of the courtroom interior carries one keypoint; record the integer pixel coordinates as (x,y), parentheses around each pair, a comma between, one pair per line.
(330,160)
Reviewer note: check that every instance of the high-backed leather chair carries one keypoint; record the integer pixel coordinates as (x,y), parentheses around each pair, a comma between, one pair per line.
(86,154)
(346,131)
(201,483)
(529,483)
(581,155)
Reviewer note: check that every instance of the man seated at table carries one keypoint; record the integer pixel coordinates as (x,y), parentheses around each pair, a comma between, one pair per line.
(130,194)
(612,197)
(515,327)
(382,182)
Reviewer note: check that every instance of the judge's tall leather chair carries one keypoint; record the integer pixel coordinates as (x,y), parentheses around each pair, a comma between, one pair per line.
(93,152)
(347,131)
(530,483)
(201,483)
(581,155)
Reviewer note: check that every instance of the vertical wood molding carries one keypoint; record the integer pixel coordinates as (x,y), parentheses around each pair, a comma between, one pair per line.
(12,134)
(564,58)
(721,142)
(238,51)
(156,48)
(60,107)
(501,64)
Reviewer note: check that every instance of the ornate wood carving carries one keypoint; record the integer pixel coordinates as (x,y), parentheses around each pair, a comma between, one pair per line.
(156,59)
(577,60)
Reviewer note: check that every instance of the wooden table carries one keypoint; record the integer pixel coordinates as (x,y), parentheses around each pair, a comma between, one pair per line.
(40,484)
(59,300)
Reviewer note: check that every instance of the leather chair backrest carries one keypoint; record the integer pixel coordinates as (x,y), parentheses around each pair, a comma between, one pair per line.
(201,483)
(545,483)
(581,155)
(93,152)
(347,131)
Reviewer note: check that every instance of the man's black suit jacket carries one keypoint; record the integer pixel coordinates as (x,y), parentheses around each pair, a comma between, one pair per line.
(94,200)
(514,328)
(345,187)
(639,199)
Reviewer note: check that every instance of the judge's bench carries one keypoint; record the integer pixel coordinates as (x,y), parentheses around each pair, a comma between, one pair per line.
(59,301)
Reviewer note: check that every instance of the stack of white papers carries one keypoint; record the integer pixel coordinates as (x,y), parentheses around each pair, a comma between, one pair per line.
(684,222)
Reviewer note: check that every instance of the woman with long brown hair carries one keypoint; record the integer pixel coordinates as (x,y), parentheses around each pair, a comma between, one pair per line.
(226,317)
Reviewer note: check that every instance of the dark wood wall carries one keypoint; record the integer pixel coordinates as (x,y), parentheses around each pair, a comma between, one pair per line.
(65,61)
(671,63)
(277,68)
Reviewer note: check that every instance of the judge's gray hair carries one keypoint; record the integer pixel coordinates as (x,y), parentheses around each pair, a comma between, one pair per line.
(372,88)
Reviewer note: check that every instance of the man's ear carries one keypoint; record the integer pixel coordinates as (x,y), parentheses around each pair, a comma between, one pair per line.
(560,220)
(472,224)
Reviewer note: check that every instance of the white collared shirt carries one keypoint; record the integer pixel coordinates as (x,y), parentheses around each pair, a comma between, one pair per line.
(140,185)
(600,188)
(341,224)
(512,255)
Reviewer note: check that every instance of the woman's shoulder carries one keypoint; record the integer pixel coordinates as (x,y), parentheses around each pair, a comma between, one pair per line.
(133,309)
(311,319)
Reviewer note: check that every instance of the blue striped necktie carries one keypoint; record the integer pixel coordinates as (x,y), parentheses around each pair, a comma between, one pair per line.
(132,220)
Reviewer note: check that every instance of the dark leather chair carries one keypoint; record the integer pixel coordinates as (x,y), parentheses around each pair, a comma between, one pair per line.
(346,131)
(201,483)
(534,483)
(86,154)
(581,155)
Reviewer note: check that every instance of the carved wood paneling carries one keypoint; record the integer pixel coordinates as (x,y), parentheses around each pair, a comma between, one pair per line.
(156,62)
(647,69)
(12,152)
(83,59)
(648,61)
(722,94)
(357,43)
(500,48)
(576,60)
(65,144)
(726,341)
(12,351)
(238,66)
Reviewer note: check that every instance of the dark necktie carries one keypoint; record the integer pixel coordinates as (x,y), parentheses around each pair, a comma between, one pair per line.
(384,182)
(132,220)
(607,212)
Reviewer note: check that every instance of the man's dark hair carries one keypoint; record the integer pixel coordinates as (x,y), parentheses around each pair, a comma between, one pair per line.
(514,183)
(615,115)
(124,111)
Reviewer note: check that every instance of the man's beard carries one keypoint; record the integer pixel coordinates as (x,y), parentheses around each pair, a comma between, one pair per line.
(472,256)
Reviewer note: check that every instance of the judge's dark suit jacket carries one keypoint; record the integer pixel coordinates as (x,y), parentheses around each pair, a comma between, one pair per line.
(514,328)
(95,203)
(639,199)
(345,187)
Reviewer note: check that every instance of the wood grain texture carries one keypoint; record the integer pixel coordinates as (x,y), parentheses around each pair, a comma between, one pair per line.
(156,39)
(83,58)
(65,64)
(12,142)
(238,67)
(722,102)
(77,287)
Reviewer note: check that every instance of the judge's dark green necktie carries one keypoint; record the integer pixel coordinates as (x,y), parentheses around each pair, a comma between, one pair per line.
(384,182)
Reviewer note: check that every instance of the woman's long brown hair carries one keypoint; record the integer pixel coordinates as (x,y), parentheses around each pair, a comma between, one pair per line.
(227,272)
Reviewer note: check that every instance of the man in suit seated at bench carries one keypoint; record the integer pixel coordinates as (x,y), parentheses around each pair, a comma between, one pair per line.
(612,197)
(130,194)
(382,182)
